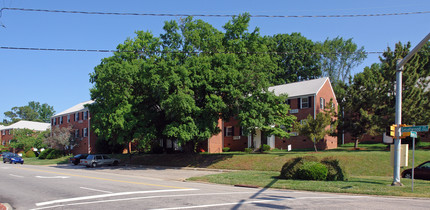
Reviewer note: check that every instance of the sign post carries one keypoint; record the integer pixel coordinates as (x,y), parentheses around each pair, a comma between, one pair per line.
(413,135)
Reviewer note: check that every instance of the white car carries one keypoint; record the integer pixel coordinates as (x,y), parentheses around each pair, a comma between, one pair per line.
(99,160)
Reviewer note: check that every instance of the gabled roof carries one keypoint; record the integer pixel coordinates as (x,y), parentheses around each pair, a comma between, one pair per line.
(76,108)
(36,126)
(297,89)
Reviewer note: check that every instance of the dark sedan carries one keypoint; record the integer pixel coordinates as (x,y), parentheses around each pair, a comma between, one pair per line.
(13,158)
(420,172)
(77,158)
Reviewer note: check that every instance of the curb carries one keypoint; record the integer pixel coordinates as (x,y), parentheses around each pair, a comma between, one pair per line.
(180,168)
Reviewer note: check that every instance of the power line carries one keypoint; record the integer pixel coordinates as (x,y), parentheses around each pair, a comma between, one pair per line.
(213,15)
(174,52)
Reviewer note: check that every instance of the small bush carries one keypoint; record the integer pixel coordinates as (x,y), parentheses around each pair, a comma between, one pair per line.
(265,148)
(45,153)
(54,154)
(335,171)
(30,154)
(249,150)
(290,168)
(226,149)
(312,171)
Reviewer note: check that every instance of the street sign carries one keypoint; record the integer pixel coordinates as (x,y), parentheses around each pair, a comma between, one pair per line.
(413,134)
(419,128)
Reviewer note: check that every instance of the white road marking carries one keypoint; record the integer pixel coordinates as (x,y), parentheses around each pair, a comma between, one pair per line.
(107,195)
(53,177)
(220,204)
(138,198)
(86,188)
(16,175)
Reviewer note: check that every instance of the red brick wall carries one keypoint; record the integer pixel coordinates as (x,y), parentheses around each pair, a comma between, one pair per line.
(7,137)
(236,142)
(215,143)
(80,124)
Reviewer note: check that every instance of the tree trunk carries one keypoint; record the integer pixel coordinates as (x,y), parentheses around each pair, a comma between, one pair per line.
(315,146)
(356,143)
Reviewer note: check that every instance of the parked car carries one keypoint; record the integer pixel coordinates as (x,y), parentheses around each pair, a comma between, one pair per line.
(4,154)
(77,158)
(13,158)
(420,172)
(99,160)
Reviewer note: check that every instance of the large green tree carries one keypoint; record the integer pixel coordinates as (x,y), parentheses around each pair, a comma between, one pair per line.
(370,98)
(295,56)
(339,57)
(178,86)
(34,111)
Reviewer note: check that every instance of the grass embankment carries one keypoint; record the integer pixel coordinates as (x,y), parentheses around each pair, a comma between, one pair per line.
(369,169)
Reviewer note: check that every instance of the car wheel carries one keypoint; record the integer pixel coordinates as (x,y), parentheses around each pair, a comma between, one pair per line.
(94,165)
(87,166)
(407,176)
(115,163)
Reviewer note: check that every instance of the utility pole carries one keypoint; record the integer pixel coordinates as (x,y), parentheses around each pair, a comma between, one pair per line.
(397,141)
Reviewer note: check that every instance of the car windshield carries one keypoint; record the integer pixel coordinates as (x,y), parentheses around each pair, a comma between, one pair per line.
(90,156)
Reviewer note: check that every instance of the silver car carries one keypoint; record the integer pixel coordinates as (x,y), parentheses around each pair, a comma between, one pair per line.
(99,160)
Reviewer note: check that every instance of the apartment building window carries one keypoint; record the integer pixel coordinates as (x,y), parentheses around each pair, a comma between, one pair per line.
(85,115)
(229,131)
(76,116)
(68,118)
(3,132)
(77,133)
(322,102)
(52,121)
(304,103)
(61,120)
(85,132)
(55,121)
(8,132)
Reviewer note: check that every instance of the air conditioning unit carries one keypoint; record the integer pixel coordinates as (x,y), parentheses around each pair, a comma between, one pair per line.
(236,137)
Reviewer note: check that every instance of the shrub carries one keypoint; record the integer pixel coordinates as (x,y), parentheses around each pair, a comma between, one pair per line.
(30,154)
(335,171)
(312,171)
(249,150)
(226,149)
(45,153)
(54,154)
(290,168)
(265,148)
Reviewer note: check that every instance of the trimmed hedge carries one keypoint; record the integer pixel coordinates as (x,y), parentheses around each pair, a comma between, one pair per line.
(290,168)
(30,154)
(265,148)
(301,168)
(226,149)
(312,171)
(50,154)
(335,171)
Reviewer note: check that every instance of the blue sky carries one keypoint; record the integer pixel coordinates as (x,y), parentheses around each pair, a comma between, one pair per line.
(61,79)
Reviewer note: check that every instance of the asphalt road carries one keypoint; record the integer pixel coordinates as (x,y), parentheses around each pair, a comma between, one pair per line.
(77,187)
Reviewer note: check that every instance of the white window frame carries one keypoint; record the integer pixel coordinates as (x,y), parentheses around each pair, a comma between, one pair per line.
(302,102)
(55,121)
(229,131)
(85,132)
(76,116)
(77,133)
(68,118)
(85,115)
(61,120)
(3,132)
(322,103)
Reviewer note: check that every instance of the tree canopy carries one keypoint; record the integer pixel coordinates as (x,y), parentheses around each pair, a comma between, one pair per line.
(34,111)
(178,85)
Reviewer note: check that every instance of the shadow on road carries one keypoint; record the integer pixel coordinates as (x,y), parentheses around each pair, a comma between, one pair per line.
(266,197)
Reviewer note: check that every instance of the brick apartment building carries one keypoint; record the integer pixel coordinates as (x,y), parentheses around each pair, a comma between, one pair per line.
(78,118)
(305,98)
(7,132)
